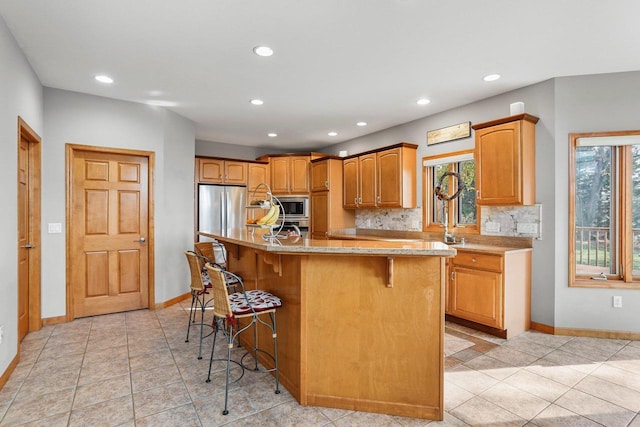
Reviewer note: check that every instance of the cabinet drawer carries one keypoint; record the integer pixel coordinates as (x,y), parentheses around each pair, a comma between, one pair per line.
(478,260)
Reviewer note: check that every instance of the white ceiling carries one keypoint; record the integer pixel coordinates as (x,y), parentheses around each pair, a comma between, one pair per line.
(336,62)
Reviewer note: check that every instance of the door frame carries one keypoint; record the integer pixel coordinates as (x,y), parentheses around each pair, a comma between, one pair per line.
(35,210)
(71,149)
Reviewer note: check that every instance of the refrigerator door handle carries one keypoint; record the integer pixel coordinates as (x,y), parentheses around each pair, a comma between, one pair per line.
(223,210)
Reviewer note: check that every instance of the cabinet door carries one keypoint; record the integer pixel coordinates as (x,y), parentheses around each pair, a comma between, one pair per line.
(368,190)
(299,175)
(319,214)
(211,170)
(476,295)
(320,175)
(279,175)
(235,172)
(350,177)
(257,174)
(498,165)
(389,176)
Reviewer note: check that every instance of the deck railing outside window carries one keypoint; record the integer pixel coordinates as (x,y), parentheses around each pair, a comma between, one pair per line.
(593,249)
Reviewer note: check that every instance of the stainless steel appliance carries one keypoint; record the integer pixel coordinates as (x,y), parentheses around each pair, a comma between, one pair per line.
(220,208)
(296,213)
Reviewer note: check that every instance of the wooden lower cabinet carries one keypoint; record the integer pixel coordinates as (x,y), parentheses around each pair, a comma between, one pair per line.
(491,290)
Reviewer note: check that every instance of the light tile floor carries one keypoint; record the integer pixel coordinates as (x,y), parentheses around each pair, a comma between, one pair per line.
(134,369)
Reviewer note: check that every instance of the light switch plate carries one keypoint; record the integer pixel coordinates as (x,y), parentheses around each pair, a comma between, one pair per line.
(55,228)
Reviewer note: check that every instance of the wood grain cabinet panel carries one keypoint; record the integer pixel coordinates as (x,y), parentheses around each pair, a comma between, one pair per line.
(290,174)
(490,290)
(384,178)
(327,212)
(505,161)
(220,171)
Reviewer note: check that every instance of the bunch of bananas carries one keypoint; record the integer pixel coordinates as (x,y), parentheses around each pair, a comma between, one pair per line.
(271,217)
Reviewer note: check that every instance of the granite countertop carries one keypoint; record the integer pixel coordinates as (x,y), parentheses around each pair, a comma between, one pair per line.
(351,234)
(298,245)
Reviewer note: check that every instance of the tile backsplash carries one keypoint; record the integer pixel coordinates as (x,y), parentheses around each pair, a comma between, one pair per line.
(509,221)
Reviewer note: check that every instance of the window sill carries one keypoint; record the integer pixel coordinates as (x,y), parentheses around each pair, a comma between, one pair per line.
(604,284)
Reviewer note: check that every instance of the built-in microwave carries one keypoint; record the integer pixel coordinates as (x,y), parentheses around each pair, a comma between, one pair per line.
(295,207)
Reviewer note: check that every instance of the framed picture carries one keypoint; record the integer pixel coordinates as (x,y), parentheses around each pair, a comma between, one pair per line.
(449,133)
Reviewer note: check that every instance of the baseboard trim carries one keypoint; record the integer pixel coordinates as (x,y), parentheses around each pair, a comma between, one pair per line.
(173,301)
(589,333)
(500,333)
(54,320)
(541,327)
(7,372)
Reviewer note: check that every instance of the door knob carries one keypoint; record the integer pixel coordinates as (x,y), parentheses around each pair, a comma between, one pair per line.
(141,240)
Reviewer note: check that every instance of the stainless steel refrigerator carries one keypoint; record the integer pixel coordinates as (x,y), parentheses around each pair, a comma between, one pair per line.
(220,208)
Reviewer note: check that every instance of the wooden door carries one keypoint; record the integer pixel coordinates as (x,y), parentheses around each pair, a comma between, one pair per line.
(299,170)
(320,175)
(109,252)
(235,172)
(476,295)
(350,183)
(389,175)
(211,170)
(319,214)
(279,175)
(498,158)
(368,190)
(29,317)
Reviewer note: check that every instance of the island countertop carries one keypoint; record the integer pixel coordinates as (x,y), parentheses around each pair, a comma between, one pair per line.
(299,245)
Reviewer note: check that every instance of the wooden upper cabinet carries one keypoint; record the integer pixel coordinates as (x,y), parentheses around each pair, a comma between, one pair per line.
(320,176)
(396,177)
(381,179)
(289,174)
(505,161)
(258,173)
(219,171)
(350,180)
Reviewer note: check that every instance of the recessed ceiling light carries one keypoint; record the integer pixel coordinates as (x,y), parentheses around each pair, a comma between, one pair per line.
(423,101)
(161,103)
(332,133)
(491,77)
(102,78)
(257,101)
(272,135)
(361,123)
(263,51)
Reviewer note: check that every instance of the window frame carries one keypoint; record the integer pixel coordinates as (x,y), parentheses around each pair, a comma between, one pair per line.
(623,186)
(429,225)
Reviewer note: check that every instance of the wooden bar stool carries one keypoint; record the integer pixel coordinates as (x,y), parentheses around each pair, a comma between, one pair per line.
(251,305)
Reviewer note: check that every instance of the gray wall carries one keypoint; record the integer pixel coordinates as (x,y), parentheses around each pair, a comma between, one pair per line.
(231,151)
(76,118)
(20,95)
(594,103)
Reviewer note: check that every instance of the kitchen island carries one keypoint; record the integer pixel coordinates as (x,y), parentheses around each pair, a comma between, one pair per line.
(362,322)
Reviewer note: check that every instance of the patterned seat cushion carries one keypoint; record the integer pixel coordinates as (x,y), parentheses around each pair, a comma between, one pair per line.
(259,300)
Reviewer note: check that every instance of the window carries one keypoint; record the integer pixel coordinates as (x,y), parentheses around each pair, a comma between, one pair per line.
(604,209)
(461,212)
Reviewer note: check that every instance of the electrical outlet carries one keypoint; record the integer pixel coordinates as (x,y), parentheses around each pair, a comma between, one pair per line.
(492,227)
(54,227)
(617,301)
(527,228)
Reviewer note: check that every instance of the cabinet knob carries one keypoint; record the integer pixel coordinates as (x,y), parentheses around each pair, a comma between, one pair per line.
(453,276)
(474,260)
(377,199)
(326,184)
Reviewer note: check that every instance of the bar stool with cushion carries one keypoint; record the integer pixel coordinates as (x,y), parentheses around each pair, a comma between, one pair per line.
(200,296)
(214,253)
(251,305)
